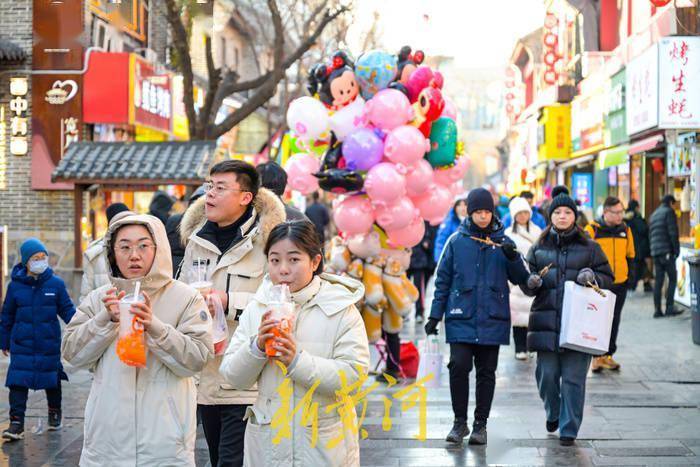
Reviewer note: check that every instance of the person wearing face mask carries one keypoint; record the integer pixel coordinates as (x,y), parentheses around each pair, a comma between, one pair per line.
(140,416)
(449,226)
(471,292)
(31,334)
(570,255)
(326,350)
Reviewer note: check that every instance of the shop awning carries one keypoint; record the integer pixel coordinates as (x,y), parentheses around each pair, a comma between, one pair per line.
(11,52)
(646,144)
(576,161)
(167,163)
(587,151)
(612,157)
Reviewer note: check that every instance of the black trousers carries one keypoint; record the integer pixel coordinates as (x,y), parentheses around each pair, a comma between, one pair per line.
(664,266)
(393,349)
(620,291)
(639,272)
(19,396)
(224,429)
(419,278)
(520,339)
(462,358)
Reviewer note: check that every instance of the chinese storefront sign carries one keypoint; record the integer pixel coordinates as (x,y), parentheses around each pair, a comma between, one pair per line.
(615,124)
(582,184)
(554,133)
(19,123)
(151,97)
(642,91)
(679,93)
(587,113)
(681,155)
(57,121)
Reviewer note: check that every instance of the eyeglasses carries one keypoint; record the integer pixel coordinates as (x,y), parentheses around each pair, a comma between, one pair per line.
(219,190)
(615,213)
(141,249)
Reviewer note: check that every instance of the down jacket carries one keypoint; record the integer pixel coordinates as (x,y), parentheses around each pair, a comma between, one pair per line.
(30,330)
(142,416)
(663,232)
(331,342)
(519,302)
(471,286)
(567,253)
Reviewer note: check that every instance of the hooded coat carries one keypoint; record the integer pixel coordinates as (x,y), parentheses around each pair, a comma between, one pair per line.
(144,416)
(238,271)
(471,286)
(446,229)
(331,340)
(30,330)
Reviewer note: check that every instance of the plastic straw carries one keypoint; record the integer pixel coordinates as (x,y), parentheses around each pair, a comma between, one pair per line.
(137,289)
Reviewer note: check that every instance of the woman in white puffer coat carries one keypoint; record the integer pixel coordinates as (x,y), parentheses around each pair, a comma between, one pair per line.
(524,233)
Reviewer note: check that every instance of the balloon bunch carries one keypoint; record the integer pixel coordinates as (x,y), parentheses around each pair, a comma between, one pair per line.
(392,143)
(389,295)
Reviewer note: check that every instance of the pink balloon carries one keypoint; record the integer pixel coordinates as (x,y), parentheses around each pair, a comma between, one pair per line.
(419,177)
(448,176)
(434,202)
(457,188)
(450,110)
(300,168)
(396,215)
(353,215)
(389,109)
(405,145)
(420,79)
(409,236)
(384,183)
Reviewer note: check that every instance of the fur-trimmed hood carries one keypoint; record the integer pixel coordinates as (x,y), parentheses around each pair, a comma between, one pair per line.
(266,206)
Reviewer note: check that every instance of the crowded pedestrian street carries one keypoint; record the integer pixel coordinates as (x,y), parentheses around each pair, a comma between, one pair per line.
(346,233)
(648,413)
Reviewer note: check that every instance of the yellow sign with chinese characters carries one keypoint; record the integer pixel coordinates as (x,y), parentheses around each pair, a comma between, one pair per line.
(554,133)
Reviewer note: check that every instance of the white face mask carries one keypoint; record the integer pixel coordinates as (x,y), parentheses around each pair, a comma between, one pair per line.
(38,266)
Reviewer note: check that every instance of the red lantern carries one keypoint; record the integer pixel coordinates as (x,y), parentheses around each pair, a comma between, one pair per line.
(551,40)
(550,76)
(658,165)
(550,58)
(551,21)
(660,3)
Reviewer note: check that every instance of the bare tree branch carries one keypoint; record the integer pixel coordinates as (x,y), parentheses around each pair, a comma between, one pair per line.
(268,82)
(205,116)
(182,46)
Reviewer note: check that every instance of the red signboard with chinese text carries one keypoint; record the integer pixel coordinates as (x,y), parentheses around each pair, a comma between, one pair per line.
(150,97)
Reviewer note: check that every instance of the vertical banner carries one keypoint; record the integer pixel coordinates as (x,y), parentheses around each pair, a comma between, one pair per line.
(679,72)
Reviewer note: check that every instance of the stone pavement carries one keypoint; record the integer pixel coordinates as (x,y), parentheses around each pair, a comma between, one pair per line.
(647,414)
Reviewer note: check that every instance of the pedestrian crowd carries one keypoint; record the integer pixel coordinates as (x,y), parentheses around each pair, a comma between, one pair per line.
(156,286)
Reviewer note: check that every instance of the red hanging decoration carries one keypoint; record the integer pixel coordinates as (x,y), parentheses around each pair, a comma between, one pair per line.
(660,3)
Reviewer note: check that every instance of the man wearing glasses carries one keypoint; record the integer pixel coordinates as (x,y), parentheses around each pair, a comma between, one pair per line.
(615,238)
(226,231)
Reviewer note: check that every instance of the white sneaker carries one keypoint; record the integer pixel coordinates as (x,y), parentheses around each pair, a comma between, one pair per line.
(521,356)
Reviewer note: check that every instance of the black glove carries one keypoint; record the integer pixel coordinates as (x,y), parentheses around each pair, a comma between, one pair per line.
(585,276)
(509,251)
(431,326)
(534,282)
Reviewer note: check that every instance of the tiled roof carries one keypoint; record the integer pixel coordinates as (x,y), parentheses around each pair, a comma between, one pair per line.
(11,52)
(186,163)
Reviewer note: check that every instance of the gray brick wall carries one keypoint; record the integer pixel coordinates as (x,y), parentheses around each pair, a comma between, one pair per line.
(45,214)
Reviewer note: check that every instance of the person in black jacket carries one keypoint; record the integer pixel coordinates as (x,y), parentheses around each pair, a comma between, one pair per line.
(421,267)
(571,256)
(665,248)
(471,292)
(318,214)
(640,234)
(160,206)
(172,229)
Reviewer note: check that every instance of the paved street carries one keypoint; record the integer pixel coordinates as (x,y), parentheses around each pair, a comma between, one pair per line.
(648,414)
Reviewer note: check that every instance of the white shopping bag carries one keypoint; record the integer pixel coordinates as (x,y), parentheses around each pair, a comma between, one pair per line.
(430,361)
(586,319)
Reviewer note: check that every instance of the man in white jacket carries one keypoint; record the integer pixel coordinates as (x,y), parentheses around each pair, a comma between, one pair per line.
(227,230)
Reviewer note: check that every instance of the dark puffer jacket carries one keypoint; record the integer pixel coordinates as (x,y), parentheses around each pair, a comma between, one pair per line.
(30,330)
(663,232)
(471,286)
(568,253)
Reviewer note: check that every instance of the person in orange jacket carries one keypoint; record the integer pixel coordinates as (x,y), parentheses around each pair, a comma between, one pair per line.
(615,238)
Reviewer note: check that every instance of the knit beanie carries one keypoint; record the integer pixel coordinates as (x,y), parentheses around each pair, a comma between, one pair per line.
(517,205)
(114,209)
(479,198)
(563,200)
(559,189)
(29,248)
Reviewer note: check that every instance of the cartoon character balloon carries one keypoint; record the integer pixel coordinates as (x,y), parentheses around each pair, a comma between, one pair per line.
(422,78)
(335,84)
(308,118)
(374,70)
(443,142)
(428,108)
